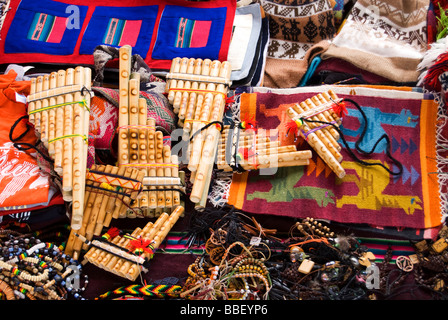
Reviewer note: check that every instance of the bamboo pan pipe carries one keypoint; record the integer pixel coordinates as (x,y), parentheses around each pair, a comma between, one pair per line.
(118,258)
(206,83)
(59,106)
(110,189)
(316,139)
(264,153)
(141,145)
(205,166)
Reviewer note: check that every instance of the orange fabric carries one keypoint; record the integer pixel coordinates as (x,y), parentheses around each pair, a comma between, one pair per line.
(430,183)
(22,183)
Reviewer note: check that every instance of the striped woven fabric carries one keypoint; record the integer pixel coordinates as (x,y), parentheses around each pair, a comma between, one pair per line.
(192,33)
(379,247)
(47,28)
(120,32)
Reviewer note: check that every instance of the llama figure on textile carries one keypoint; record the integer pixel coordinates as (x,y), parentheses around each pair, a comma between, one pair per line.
(371,187)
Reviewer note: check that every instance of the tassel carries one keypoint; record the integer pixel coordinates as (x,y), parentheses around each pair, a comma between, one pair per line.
(292,127)
(140,245)
(340,108)
(248,124)
(111,233)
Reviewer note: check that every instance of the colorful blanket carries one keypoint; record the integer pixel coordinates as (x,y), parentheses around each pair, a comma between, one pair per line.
(366,195)
(67,32)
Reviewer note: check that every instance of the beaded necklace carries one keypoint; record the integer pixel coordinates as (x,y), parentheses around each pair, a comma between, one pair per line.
(38,270)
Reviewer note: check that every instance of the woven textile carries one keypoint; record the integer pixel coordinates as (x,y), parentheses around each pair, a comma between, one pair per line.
(367,195)
(387,38)
(50,31)
(295,27)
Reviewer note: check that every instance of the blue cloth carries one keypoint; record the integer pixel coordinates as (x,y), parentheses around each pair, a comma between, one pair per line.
(164,48)
(100,19)
(17,38)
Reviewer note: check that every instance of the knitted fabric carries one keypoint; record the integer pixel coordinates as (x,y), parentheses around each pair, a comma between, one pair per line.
(299,30)
(384,37)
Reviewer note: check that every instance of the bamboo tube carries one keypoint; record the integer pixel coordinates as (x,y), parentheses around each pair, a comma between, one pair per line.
(186,94)
(38,105)
(134,204)
(87,216)
(77,213)
(159,168)
(143,158)
(184,62)
(175,173)
(152,172)
(315,103)
(171,84)
(187,125)
(142,111)
(121,201)
(79,155)
(167,226)
(44,117)
(134,93)
(210,145)
(67,142)
(96,207)
(52,116)
(258,152)
(157,226)
(166,152)
(70,243)
(111,204)
(104,207)
(330,96)
(143,150)
(195,125)
(58,149)
(205,117)
(32,104)
(125,54)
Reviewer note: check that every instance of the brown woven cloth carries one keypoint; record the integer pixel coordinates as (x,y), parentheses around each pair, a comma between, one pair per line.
(299,31)
(386,37)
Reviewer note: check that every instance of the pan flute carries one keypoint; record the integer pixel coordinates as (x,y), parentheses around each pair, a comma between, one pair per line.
(197,89)
(127,256)
(321,137)
(58,107)
(141,146)
(252,150)
(110,191)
